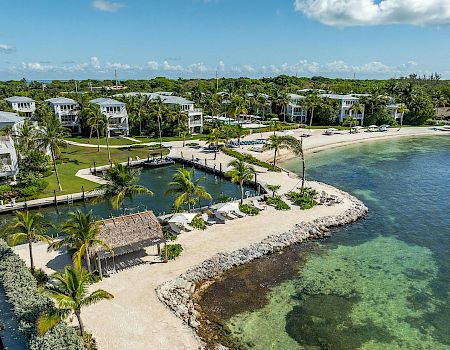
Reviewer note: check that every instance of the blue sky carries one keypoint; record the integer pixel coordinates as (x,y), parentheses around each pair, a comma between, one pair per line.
(63,39)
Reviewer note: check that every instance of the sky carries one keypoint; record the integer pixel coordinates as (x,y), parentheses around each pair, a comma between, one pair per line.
(142,39)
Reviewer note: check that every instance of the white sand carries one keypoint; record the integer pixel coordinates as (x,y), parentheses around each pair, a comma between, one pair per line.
(135,318)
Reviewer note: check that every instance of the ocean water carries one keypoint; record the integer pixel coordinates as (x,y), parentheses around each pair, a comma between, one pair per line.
(380,283)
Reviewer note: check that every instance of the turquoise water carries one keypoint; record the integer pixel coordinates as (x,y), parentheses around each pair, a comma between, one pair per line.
(156,180)
(381,283)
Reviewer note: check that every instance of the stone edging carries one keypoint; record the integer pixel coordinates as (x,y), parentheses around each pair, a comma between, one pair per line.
(177,294)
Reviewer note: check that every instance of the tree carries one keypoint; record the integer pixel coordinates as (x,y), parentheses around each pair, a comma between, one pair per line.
(312,101)
(240,133)
(26,138)
(276,144)
(159,108)
(240,173)
(274,189)
(81,234)
(439,101)
(402,110)
(105,123)
(51,136)
(121,184)
(70,291)
(29,227)
(213,141)
(95,120)
(188,190)
(355,108)
(296,146)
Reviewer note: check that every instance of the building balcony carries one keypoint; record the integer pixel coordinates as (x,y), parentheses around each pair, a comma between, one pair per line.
(195,123)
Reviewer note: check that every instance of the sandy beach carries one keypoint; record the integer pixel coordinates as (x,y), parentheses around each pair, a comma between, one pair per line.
(135,318)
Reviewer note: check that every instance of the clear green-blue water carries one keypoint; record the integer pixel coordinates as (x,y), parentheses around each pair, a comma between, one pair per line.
(380,283)
(157,180)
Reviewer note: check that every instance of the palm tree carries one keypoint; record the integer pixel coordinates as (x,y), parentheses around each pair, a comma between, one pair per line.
(188,190)
(240,173)
(240,133)
(95,119)
(70,291)
(51,136)
(121,184)
(29,227)
(274,189)
(105,122)
(26,138)
(402,110)
(296,146)
(312,102)
(439,101)
(276,143)
(81,233)
(356,108)
(213,141)
(159,109)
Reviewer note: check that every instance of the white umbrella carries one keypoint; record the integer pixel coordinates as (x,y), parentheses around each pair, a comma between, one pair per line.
(227,207)
(290,132)
(182,218)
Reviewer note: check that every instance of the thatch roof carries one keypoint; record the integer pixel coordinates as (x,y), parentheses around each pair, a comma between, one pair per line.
(130,233)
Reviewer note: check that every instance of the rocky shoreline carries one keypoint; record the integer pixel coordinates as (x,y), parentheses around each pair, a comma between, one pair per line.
(178,294)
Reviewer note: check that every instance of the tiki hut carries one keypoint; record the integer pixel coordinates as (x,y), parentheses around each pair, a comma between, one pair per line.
(128,234)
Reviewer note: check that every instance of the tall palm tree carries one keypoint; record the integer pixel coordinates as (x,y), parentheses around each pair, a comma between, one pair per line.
(276,144)
(312,102)
(188,190)
(159,109)
(29,227)
(296,146)
(26,138)
(274,189)
(51,136)
(105,123)
(402,110)
(121,184)
(240,133)
(81,234)
(240,173)
(355,108)
(95,120)
(213,140)
(70,291)
(439,101)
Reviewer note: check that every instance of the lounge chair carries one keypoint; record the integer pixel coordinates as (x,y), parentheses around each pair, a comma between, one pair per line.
(208,220)
(230,215)
(238,213)
(221,217)
(257,206)
(188,228)
(175,228)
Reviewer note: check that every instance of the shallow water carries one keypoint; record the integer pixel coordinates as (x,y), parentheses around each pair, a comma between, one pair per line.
(381,283)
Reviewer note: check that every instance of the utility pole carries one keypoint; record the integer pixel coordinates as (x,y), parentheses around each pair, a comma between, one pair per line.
(217,82)
(115,75)
(76,86)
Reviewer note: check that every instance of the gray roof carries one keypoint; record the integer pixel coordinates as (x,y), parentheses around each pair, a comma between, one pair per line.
(340,97)
(15,99)
(61,101)
(166,97)
(107,102)
(8,117)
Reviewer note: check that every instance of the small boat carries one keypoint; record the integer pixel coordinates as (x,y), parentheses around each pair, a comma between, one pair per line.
(157,162)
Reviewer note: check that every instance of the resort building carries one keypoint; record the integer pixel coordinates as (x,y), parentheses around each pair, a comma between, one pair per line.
(295,110)
(9,166)
(24,105)
(116,113)
(195,115)
(393,110)
(67,110)
(13,120)
(346,103)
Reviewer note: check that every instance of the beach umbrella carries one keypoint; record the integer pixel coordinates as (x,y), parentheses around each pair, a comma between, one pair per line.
(227,207)
(182,218)
(290,132)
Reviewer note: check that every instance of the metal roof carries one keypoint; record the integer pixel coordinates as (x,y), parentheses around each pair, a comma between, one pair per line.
(107,102)
(61,101)
(8,117)
(166,97)
(15,99)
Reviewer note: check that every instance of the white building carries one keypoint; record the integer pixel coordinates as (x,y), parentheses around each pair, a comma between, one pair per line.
(116,113)
(393,110)
(345,106)
(67,110)
(9,165)
(13,120)
(195,115)
(22,104)
(295,109)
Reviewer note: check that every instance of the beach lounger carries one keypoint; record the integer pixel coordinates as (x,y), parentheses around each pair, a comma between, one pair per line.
(220,217)
(208,220)
(259,207)
(239,214)
(188,228)
(175,228)
(230,215)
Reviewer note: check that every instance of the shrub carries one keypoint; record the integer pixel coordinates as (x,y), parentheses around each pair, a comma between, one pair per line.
(41,277)
(223,198)
(248,159)
(169,235)
(198,223)
(173,251)
(248,209)
(278,203)
(304,199)
(22,293)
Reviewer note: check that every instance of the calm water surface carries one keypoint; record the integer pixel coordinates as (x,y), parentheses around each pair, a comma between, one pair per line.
(381,283)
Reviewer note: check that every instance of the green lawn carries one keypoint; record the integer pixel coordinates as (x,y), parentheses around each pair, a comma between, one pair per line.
(119,141)
(76,158)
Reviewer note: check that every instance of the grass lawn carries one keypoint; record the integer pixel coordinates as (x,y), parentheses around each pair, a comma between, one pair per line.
(76,158)
(113,141)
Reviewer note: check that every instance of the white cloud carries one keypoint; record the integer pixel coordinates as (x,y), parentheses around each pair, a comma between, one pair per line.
(197,67)
(123,66)
(94,62)
(37,67)
(168,67)
(153,65)
(345,13)
(108,6)
(5,48)
(221,66)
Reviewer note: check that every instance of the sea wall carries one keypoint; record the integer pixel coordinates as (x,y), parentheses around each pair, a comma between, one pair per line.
(178,293)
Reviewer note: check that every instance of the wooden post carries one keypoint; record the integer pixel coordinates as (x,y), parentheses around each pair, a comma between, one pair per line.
(54,196)
(205,162)
(166,259)
(181,154)
(99,266)
(128,161)
(192,157)
(158,246)
(148,157)
(221,168)
(95,169)
(82,190)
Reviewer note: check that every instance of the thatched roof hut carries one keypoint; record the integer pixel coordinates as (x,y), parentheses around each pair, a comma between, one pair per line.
(129,233)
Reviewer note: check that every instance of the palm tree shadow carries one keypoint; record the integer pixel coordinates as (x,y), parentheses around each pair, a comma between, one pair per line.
(59,262)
